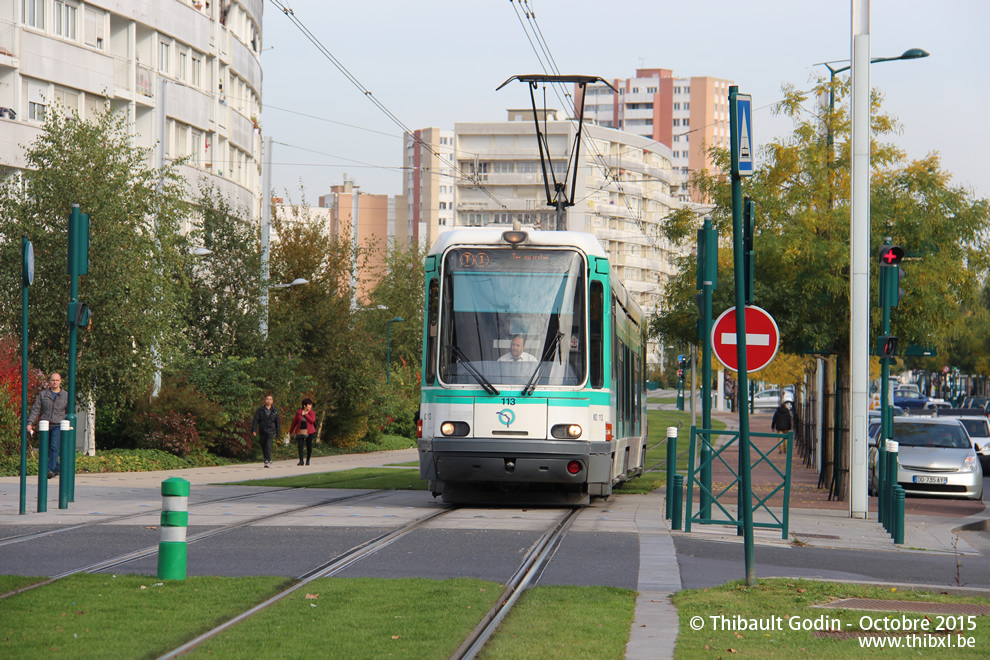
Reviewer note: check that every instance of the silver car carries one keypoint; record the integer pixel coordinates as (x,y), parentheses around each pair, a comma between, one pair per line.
(935,458)
(978,428)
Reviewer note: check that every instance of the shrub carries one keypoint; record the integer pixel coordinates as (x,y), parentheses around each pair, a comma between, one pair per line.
(172,432)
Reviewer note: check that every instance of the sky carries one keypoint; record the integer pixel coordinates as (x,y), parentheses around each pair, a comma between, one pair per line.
(437,62)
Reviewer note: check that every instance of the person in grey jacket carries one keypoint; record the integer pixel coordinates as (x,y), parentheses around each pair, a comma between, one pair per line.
(50,405)
(267,423)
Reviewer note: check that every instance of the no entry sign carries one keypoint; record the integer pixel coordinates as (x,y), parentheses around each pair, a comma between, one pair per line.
(762,339)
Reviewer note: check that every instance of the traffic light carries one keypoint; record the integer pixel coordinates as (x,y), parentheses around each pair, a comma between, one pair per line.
(749,220)
(891,275)
(78,314)
(891,255)
(78,242)
(888,346)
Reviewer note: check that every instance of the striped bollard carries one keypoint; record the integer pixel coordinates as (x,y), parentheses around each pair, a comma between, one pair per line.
(43,435)
(175,519)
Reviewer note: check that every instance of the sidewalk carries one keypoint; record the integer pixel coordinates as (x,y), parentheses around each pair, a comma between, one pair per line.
(816,521)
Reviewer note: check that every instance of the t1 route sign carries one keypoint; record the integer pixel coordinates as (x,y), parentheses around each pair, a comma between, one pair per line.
(762,338)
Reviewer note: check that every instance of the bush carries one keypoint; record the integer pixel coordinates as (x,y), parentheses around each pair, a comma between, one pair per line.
(119,460)
(172,432)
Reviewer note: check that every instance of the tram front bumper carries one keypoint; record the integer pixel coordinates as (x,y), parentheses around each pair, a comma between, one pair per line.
(460,460)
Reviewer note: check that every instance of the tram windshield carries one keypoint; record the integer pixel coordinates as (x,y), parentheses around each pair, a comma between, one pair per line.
(513,317)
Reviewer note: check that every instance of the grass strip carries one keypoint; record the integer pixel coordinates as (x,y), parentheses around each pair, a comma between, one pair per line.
(10,583)
(579,623)
(358,618)
(124,616)
(370,478)
(792,601)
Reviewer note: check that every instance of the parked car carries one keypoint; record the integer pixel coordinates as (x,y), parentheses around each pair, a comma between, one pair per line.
(769,399)
(978,427)
(909,396)
(935,458)
(975,402)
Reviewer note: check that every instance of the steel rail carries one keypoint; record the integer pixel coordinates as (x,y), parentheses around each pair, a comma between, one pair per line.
(327,569)
(530,569)
(151,550)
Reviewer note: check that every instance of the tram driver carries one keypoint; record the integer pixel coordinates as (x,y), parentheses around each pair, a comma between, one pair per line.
(516,352)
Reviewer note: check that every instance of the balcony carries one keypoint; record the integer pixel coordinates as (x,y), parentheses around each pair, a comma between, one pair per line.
(145,81)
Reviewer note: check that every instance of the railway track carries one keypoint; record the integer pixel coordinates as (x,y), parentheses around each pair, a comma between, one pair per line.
(151,550)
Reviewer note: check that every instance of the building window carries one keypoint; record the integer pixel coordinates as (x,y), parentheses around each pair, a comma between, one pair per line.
(197,70)
(34,13)
(677,122)
(677,90)
(677,106)
(65,19)
(443,206)
(164,56)
(183,66)
(687,106)
(651,90)
(677,138)
(94,29)
(685,122)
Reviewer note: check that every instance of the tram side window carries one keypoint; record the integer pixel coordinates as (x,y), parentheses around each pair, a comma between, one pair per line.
(433,314)
(597,331)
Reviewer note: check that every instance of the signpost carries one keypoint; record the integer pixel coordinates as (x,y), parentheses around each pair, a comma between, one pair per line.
(762,338)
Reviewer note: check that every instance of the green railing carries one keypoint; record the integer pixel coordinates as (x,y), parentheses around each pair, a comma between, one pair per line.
(705,436)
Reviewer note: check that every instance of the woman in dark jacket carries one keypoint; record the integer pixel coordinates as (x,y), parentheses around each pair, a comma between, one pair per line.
(781,422)
(304,428)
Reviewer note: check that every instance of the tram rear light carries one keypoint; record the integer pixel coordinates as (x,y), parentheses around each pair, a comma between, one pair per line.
(419,428)
(573,467)
(514,237)
(608,432)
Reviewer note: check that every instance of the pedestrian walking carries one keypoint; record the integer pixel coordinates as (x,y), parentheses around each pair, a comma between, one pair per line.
(267,425)
(303,427)
(781,423)
(50,405)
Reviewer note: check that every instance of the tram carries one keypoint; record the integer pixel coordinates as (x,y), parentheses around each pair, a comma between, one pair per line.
(534,366)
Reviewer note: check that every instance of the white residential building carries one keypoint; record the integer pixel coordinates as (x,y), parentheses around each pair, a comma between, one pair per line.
(187,73)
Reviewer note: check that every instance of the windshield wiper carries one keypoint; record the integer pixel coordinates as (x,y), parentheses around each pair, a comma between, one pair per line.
(531,385)
(463,359)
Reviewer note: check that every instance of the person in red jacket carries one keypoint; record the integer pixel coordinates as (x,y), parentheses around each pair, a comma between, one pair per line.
(303,427)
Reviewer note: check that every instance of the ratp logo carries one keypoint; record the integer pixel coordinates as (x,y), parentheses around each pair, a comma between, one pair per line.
(506,417)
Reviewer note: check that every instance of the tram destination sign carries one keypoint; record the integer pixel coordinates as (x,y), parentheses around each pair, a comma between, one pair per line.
(762,339)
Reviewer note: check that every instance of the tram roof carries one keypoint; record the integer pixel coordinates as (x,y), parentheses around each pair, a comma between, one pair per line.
(583,241)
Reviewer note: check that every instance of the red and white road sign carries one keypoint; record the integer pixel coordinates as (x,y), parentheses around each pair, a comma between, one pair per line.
(762,339)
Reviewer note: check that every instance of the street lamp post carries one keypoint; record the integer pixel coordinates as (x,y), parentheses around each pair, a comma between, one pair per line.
(859,268)
(388,348)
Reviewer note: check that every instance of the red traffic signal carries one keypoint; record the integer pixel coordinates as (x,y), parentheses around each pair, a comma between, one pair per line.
(680,373)
(891,255)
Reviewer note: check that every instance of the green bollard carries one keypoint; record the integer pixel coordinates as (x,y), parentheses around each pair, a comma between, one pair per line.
(888,503)
(678,505)
(899,515)
(63,464)
(175,518)
(43,438)
(671,466)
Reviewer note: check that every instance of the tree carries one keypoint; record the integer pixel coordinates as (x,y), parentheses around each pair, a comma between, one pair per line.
(801,193)
(136,253)
(224,311)
(802,237)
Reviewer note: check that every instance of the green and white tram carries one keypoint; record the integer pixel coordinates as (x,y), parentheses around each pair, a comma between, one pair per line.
(533,370)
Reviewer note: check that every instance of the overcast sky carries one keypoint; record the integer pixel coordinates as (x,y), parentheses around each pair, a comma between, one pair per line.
(437,62)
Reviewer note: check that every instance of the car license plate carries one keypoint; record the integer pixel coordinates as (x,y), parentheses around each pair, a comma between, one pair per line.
(931,480)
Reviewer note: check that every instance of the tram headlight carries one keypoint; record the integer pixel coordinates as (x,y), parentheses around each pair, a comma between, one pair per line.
(566,431)
(455,428)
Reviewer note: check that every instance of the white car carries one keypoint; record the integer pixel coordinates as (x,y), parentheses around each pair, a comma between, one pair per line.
(769,399)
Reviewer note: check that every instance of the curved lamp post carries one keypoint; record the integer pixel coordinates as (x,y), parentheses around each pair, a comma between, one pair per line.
(388,348)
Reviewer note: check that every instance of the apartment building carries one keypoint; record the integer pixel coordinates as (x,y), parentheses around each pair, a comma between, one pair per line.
(428,183)
(369,221)
(688,115)
(186,73)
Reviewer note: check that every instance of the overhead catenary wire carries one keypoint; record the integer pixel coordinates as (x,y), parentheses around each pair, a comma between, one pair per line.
(290,14)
